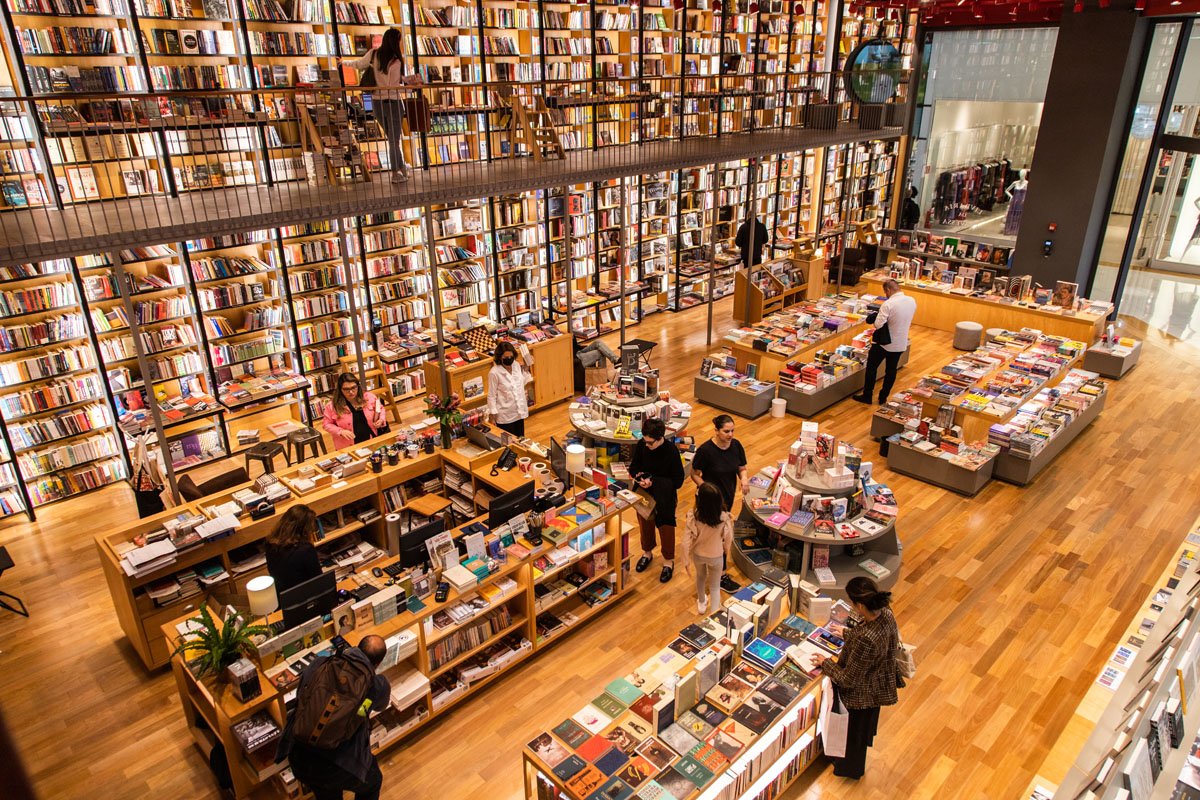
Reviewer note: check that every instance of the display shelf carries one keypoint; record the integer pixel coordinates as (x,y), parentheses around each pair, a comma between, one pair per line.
(1113,361)
(933,469)
(1021,471)
(842,385)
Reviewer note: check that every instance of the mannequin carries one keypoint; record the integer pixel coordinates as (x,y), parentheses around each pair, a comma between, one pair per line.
(1195,240)
(1016,202)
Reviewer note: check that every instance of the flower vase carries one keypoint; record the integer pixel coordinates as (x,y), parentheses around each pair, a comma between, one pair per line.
(447,437)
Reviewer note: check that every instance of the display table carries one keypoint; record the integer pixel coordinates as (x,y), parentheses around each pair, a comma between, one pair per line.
(442,658)
(1022,471)
(696,720)
(943,310)
(809,404)
(938,471)
(732,399)
(606,406)
(768,364)
(1111,362)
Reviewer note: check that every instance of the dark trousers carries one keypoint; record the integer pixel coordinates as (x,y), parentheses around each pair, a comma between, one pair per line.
(390,114)
(891,363)
(328,782)
(515,428)
(864,722)
(666,535)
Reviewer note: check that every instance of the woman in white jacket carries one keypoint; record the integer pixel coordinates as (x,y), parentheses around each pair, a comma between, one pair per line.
(388,64)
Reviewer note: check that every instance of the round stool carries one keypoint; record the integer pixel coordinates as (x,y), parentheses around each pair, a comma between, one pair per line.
(778,408)
(992,333)
(264,453)
(305,437)
(967,335)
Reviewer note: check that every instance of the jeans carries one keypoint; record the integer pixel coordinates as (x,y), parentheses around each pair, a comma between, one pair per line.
(892,362)
(391,118)
(328,782)
(708,581)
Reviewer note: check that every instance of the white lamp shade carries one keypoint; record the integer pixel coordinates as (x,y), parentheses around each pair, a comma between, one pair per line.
(261,591)
(575,458)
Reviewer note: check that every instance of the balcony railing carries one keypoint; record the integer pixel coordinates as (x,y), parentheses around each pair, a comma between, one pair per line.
(83,171)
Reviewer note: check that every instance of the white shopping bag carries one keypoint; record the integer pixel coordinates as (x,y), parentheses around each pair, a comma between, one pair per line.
(834,722)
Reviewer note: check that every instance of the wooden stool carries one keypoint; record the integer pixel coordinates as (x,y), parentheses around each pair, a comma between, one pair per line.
(264,453)
(430,505)
(6,562)
(305,437)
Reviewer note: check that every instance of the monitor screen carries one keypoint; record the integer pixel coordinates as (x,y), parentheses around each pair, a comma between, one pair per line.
(558,462)
(510,504)
(412,542)
(316,597)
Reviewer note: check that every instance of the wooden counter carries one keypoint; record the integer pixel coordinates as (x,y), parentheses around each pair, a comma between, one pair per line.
(942,310)
(553,378)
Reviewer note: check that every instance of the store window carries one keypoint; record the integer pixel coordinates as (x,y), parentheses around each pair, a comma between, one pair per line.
(980,107)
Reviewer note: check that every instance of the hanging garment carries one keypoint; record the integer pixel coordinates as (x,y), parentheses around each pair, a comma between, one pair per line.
(1012,220)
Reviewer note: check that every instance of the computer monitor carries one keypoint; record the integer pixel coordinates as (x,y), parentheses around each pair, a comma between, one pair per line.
(482,440)
(558,462)
(316,597)
(413,552)
(510,504)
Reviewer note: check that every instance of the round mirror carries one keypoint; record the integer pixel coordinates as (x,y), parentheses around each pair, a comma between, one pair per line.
(872,73)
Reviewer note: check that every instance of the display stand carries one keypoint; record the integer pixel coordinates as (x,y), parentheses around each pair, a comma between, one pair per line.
(777,284)
(1022,471)
(728,398)
(938,471)
(551,373)
(809,404)
(1101,359)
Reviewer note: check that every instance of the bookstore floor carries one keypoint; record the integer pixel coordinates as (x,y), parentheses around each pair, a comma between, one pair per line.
(1015,598)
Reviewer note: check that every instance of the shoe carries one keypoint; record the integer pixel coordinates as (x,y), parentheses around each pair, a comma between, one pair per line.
(729,584)
(643,562)
(882,399)
(861,398)
(399,177)
(702,605)
(666,574)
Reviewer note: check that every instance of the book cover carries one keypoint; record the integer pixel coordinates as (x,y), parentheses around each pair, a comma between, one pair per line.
(609,705)
(637,771)
(678,739)
(586,781)
(613,789)
(675,783)
(611,760)
(569,767)
(549,750)
(570,732)
(624,691)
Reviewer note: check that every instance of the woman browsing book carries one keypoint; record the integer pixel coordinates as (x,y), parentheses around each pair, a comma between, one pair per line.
(707,538)
(865,674)
(386,63)
(657,468)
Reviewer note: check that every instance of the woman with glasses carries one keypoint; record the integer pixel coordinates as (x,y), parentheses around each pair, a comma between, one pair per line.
(657,468)
(354,415)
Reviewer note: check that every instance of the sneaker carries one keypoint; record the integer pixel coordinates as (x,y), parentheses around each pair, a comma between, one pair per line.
(729,584)
(399,177)
(702,605)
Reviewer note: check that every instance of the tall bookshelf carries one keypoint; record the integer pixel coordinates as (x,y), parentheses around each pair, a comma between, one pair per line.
(519,257)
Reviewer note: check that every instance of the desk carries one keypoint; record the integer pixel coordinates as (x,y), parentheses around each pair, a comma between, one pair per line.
(439,654)
(942,310)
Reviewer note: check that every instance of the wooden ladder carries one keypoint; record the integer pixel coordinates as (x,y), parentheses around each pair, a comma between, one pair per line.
(536,132)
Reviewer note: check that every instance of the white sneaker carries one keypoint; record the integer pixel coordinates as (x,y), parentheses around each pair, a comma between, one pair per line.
(399,177)
(702,605)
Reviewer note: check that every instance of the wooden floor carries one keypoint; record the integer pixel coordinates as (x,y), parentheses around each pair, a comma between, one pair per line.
(1015,599)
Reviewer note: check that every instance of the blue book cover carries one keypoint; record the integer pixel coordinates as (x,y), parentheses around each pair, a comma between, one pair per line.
(763,653)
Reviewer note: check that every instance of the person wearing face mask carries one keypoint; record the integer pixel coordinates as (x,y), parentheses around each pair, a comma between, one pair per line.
(657,467)
(507,402)
(722,461)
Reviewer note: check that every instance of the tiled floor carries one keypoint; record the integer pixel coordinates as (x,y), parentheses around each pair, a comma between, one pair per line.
(38,234)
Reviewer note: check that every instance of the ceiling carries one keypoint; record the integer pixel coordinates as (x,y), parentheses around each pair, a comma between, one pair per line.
(991,13)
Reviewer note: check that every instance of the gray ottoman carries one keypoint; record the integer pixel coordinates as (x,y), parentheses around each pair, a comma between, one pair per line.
(992,333)
(967,335)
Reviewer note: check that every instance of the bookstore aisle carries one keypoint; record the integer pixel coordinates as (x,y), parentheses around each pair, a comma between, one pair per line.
(1015,600)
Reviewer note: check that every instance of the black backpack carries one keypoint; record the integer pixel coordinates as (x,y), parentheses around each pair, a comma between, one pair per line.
(329,703)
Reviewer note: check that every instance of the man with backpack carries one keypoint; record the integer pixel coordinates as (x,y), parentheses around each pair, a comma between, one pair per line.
(328,735)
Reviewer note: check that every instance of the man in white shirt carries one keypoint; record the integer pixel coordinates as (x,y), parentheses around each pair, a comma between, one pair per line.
(895,316)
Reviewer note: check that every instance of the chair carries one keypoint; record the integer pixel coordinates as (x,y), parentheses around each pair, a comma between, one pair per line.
(430,505)
(6,562)
(305,437)
(645,347)
(967,335)
(264,453)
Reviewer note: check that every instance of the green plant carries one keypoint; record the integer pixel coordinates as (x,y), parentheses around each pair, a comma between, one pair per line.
(213,646)
(446,410)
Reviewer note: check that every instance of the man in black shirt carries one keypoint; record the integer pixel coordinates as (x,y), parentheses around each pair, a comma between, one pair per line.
(751,251)
(350,767)
(722,461)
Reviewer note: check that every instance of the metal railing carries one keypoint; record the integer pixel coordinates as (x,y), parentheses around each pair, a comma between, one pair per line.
(87,171)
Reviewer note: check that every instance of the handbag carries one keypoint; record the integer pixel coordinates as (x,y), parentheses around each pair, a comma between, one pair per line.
(882,336)
(646,503)
(835,727)
(416,108)
(906,665)
(367,78)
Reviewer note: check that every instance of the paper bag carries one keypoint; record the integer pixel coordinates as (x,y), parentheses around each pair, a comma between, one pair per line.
(834,723)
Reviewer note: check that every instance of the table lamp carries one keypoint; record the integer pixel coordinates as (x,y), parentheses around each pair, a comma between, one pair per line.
(575,461)
(263,600)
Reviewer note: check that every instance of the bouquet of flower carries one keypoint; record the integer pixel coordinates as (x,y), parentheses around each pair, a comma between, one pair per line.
(446,410)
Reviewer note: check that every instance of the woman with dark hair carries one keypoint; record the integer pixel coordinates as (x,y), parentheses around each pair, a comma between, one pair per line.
(657,467)
(507,402)
(865,675)
(707,538)
(353,416)
(291,557)
(388,64)
(722,460)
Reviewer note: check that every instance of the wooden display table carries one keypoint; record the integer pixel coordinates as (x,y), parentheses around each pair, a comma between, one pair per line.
(509,613)
(809,404)
(942,310)
(552,374)
(751,405)
(1022,471)
(768,364)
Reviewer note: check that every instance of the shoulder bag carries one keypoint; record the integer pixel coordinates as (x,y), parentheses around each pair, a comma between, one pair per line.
(367,79)
(882,335)
(906,665)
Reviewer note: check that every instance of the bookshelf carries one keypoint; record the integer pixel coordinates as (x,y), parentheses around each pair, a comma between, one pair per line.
(461,250)
(519,257)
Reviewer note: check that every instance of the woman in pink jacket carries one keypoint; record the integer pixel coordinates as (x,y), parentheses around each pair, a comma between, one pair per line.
(354,415)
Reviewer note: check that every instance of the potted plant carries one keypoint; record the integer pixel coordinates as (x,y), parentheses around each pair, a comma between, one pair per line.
(447,411)
(211,646)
